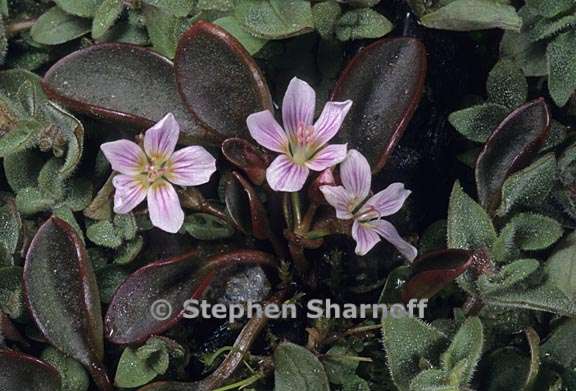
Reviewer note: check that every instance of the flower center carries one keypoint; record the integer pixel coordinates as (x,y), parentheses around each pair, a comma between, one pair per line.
(301,146)
(367,214)
(155,171)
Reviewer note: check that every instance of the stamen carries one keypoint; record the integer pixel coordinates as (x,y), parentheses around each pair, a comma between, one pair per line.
(371,213)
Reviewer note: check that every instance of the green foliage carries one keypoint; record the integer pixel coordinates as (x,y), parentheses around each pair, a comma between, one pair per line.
(362,23)
(83,8)
(467,15)
(528,188)
(74,376)
(112,234)
(56,27)
(296,368)
(275,19)
(139,366)
(12,302)
(233,26)
(407,341)
(105,17)
(469,226)
(476,123)
(203,226)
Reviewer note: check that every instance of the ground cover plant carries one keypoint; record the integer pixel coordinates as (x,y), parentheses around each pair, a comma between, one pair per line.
(283,152)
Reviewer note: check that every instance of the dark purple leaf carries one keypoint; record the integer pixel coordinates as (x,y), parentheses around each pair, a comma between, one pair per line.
(121,83)
(434,271)
(248,158)
(385,81)
(63,296)
(129,318)
(510,148)
(218,80)
(20,372)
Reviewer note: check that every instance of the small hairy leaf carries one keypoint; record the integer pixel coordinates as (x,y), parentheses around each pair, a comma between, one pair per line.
(105,17)
(296,368)
(534,232)
(362,23)
(469,226)
(73,375)
(507,85)
(326,16)
(83,8)
(232,25)
(466,15)
(476,123)
(562,67)
(466,345)
(549,8)
(275,19)
(407,340)
(56,27)
(529,187)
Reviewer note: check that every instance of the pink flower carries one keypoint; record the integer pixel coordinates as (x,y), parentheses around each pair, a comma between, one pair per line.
(150,173)
(301,143)
(350,203)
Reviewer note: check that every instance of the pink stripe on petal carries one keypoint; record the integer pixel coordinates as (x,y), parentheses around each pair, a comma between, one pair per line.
(330,121)
(389,232)
(164,207)
(267,131)
(191,166)
(390,200)
(356,175)
(125,156)
(298,105)
(365,236)
(328,156)
(128,195)
(284,175)
(340,199)
(161,139)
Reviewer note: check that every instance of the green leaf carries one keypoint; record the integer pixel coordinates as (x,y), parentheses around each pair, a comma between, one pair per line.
(22,137)
(561,266)
(216,5)
(56,27)
(362,23)
(469,226)
(326,15)
(275,19)
(467,15)
(164,30)
(533,232)
(476,123)
(180,8)
(545,29)
(529,187)
(545,297)
(105,17)
(83,8)
(560,345)
(507,85)
(432,380)
(10,224)
(530,56)
(12,301)
(508,276)
(466,345)
(340,364)
(31,200)
(22,169)
(73,375)
(78,193)
(562,67)
(3,41)
(549,8)
(103,233)
(203,226)
(129,251)
(110,277)
(233,26)
(296,368)
(132,371)
(408,340)
(126,226)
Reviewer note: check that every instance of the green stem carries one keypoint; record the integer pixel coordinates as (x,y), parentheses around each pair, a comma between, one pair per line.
(243,383)
(296,210)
